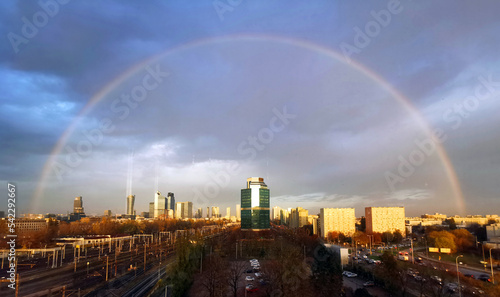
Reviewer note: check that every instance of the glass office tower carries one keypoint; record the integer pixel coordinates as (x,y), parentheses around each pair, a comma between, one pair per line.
(255,209)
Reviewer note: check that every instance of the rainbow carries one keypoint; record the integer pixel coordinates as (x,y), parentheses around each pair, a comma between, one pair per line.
(400,98)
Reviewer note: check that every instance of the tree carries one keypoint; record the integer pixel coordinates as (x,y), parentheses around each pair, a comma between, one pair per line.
(443,239)
(214,278)
(397,237)
(463,239)
(234,273)
(326,273)
(333,236)
(451,223)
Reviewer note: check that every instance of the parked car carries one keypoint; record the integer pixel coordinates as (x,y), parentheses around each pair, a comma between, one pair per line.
(249,278)
(349,274)
(369,284)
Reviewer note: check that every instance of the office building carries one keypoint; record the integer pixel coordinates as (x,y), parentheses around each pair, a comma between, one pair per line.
(208,212)
(298,217)
(238,212)
(255,209)
(78,205)
(385,219)
(160,205)
(199,213)
(341,220)
(215,212)
(275,216)
(151,210)
(30,225)
(184,210)
(130,204)
(228,213)
(170,201)
(107,213)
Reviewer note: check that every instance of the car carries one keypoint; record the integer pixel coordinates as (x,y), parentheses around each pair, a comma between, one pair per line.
(349,274)
(251,288)
(249,271)
(249,278)
(258,274)
(484,278)
(369,284)
(469,275)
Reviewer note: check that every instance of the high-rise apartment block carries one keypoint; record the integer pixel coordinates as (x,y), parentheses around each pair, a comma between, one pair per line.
(341,220)
(255,209)
(298,217)
(385,219)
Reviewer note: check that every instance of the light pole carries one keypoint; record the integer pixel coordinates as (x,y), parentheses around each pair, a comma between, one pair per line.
(491,265)
(458,276)
(87,269)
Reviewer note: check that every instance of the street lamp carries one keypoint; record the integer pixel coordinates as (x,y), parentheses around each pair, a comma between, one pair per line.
(491,264)
(458,276)
(88,268)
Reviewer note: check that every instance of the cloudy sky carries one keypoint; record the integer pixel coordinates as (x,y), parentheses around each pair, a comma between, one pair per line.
(333,103)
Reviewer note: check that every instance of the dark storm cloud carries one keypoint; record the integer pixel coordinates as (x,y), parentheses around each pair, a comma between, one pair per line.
(347,133)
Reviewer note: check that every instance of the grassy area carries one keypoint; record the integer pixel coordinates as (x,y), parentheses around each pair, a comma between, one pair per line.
(468,259)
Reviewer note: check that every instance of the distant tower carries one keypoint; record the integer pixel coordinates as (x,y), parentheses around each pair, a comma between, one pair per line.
(208,212)
(130,204)
(255,210)
(78,205)
(238,212)
(159,205)
(170,201)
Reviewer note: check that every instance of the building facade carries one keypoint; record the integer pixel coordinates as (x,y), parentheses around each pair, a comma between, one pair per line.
(238,212)
(298,217)
(341,220)
(255,209)
(160,203)
(184,210)
(385,219)
(78,205)
(130,204)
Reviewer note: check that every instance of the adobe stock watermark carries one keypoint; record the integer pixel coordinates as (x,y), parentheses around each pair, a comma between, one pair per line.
(364,36)
(122,107)
(248,148)
(31,26)
(223,6)
(456,115)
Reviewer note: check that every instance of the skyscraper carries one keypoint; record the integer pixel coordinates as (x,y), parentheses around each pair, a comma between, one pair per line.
(208,212)
(78,205)
(151,210)
(215,212)
(170,201)
(238,212)
(255,209)
(228,213)
(159,205)
(184,210)
(130,204)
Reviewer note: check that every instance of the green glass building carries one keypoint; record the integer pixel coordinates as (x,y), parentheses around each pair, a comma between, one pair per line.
(255,206)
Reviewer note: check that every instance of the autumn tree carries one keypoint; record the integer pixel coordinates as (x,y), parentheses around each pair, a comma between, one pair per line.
(443,239)
(463,239)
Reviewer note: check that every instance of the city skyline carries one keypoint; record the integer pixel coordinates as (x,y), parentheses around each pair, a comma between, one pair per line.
(335,104)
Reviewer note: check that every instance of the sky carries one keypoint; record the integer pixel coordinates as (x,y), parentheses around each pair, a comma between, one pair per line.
(333,103)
